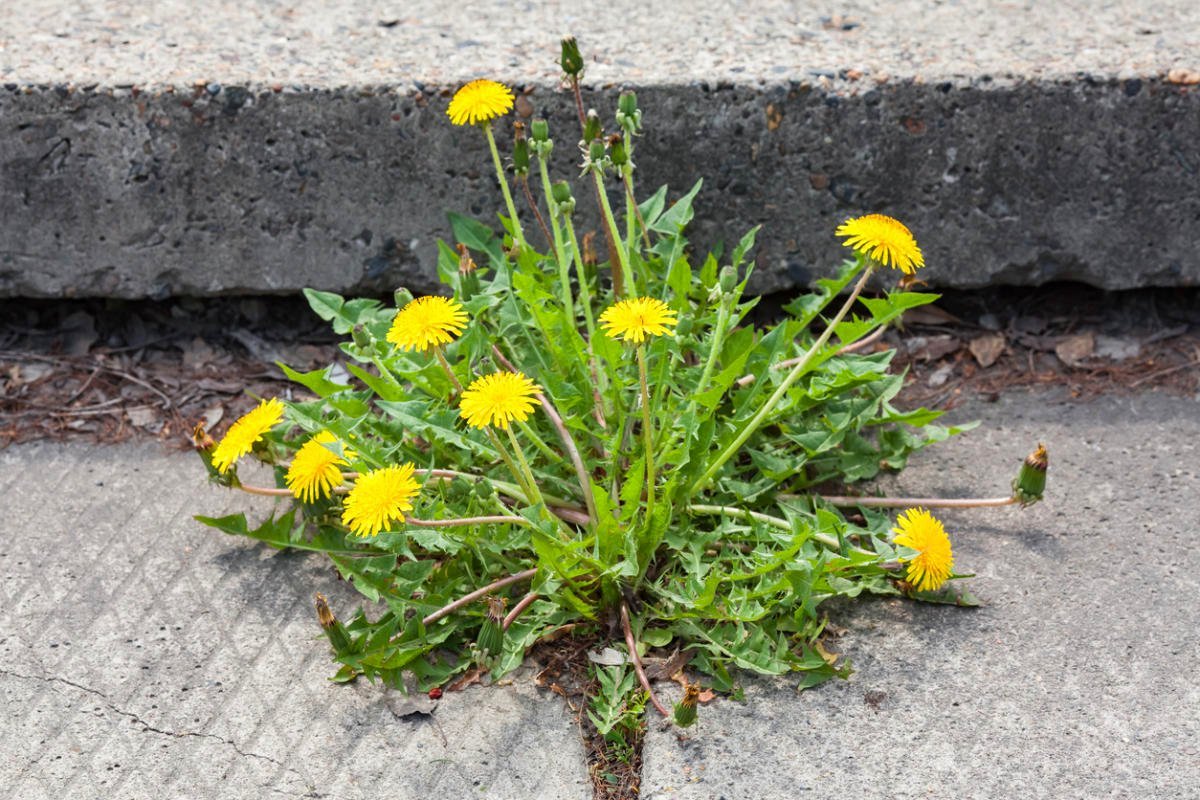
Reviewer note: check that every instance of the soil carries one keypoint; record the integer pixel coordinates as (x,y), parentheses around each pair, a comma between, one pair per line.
(107,371)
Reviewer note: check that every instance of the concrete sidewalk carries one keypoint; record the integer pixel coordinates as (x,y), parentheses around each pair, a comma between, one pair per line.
(1076,679)
(153,149)
(145,656)
(142,656)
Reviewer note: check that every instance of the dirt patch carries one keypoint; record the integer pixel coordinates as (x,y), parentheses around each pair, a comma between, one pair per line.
(107,371)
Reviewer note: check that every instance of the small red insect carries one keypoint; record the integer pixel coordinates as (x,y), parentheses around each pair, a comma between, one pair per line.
(435,693)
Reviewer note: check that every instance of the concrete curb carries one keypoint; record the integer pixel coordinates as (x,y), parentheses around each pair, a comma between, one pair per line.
(1017,152)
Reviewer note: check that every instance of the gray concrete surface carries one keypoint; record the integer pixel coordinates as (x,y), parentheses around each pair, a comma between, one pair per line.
(1076,679)
(152,149)
(144,656)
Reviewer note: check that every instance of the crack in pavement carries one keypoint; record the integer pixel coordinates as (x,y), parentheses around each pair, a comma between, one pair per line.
(147,727)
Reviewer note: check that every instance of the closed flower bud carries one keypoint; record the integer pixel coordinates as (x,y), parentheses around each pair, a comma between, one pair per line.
(591,126)
(361,337)
(520,149)
(571,60)
(685,709)
(629,116)
(1030,483)
(728,279)
(402,297)
(596,152)
(333,629)
(616,151)
(491,635)
(561,192)
(542,144)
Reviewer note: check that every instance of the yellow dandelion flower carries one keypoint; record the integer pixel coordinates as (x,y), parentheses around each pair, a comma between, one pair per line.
(379,497)
(498,400)
(923,532)
(427,322)
(636,318)
(884,239)
(247,430)
(480,101)
(316,469)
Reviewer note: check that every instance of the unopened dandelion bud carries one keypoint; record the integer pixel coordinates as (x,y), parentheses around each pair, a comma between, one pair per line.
(728,279)
(332,627)
(596,153)
(520,149)
(542,144)
(616,152)
(591,126)
(571,60)
(561,193)
(402,297)
(491,635)
(685,709)
(629,116)
(1030,483)
(361,337)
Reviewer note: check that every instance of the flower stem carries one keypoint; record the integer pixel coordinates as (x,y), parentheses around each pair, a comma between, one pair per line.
(537,212)
(909,502)
(437,351)
(627,287)
(755,516)
(585,294)
(519,609)
(518,234)
(631,643)
(754,422)
(460,522)
(647,433)
(466,599)
(564,264)
(535,493)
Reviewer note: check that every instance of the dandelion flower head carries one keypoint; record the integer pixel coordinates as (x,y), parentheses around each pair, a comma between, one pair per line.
(243,433)
(316,469)
(480,101)
(498,400)
(636,318)
(378,498)
(427,322)
(884,239)
(921,531)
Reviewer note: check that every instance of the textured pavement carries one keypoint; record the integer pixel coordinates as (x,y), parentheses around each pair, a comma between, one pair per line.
(1076,679)
(145,656)
(151,149)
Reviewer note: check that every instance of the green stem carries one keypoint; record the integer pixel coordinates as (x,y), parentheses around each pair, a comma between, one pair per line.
(611,221)
(539,443)
(441,357)
(585,294)
(534,492)
(564,266)
(718,342)
(512,467)
(518,234)
(647,433)
(755,516)
(801,367)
